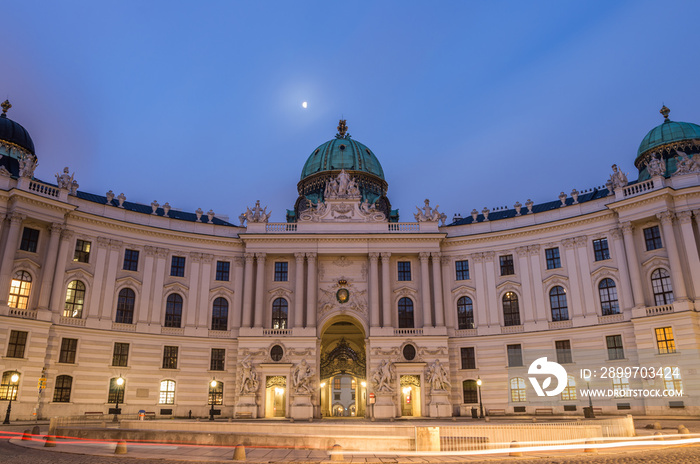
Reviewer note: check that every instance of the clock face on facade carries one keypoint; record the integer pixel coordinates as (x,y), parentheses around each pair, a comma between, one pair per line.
(342,295)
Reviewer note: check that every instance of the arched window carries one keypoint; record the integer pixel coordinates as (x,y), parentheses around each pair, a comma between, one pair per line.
(465,313)
(75,299)
(167,392)
(511,311)
(219,314)
(517,390)
(19,290)
(569,393)
(173,310)
(406,313)
(557,300)
(216,394)
(279,313)
(469,391)
(125,306)
(116,391)
(608,297)
(661,285)
(8,389)
(61,394)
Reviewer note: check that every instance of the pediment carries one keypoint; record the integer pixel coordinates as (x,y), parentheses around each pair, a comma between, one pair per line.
(464,289)
(655,261)
(80,274)
(558,278)
(604,270)
(508,283)
(27,262)
(221,289)
(280,291)
(128,280)
(405,290)
(175,286)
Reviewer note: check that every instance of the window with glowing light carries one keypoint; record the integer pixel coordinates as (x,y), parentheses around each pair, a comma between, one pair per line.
(75,299)
(672,379)
(569,393)
(8,389)
(19,290)
(517,390)
(167,392)
(116,391)
(216,393)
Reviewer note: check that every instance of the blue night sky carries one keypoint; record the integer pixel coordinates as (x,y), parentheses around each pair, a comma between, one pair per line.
(468,103)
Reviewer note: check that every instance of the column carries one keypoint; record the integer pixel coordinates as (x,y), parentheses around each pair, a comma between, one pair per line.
(50,265)
(437,290)
(374,315)
(481,310)
(57,290)
(100,252)
(537,289)
(575,300)
(259,290)
(248,292)
(679,291)
(236,313)
(528,300)
(625,285)
(633,264)
(111,276)
(691,249)
(8,257)
(449,311)
(189,318)
(299,290)
(425,289)
(144,305)
(203,311)
(589,307)
(494,305)
(387,310)
(311,287)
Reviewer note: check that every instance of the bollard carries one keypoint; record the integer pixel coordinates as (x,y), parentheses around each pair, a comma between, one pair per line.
(683,430)
(515,454)
(590,450)
(50,441)
(36,430)
(337,453)
(120,448)
(659,436)
(27,436)
(657,425)
(239,453)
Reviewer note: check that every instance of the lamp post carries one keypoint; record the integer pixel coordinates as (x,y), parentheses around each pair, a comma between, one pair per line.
(120,390)
(213,385)
(481,404)
(590,414)
(13,385)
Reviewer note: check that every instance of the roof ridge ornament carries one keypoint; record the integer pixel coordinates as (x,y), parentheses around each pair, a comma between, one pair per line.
(665,111)
(6,105)
(342,130)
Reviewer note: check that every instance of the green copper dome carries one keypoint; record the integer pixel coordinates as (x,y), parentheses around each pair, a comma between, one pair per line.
(342,153)
(668,132)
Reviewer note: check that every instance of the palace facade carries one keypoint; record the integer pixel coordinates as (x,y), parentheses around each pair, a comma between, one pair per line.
(343,310)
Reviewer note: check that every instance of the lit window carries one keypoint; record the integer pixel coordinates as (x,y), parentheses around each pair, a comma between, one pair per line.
(465,313)
(219,314)
(661,286)
(61,393)
(173,310)
(336,383)
(462,268)
(82,251)
(281,271)
(19,290)
(75,299)
(8,389)
(569,393)
(552,257)
(664,340)
(608,297)
(216,393)
(125,306)
(170,357)
(517,390)
(116,391)
(620,384)
(557,300)
(511,310)
(167,392)
(406,313)
(672,379)
(279,313)
(600,249)
(652,238)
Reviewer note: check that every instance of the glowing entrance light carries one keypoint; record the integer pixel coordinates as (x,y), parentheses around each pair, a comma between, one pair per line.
(279,391)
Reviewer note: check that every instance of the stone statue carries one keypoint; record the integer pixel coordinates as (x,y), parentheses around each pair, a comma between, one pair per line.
(249,378)
(437,376)
(27,164)
(384,377)
(618,178)
(429,214)
(257,214)
(342,186)
(302,377)
(656,166)
(685,164)
(64,180)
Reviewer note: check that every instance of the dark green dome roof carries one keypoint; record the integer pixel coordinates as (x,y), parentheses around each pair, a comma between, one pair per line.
(13,132)
(668,132)
(342,153)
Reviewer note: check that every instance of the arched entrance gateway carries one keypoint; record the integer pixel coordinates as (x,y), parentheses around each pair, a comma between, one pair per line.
(343,374)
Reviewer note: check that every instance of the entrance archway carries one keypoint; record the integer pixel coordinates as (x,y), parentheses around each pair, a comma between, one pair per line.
(343,369)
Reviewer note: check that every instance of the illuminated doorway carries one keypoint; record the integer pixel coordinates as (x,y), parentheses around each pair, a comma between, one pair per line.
(276,396)
(410,396)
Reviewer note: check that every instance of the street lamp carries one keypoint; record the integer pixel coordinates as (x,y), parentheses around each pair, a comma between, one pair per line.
(590,414)
(481,404)
(120,389)
(213,385)
(12,387)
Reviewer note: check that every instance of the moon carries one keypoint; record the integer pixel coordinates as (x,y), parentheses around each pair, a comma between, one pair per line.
(304,104)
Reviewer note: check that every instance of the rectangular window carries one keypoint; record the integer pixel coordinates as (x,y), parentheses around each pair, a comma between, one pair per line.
(30,240)
(82,251)
(353,384)
(665,341)
(131,260)
(468,358)
(8,389)
(563,348)
(515,355)
(615,350)
(353,396)
(120,355)
(553,259)
(222,270)
(116,391)
(600,249)
(462,268)
(336,383)
(404,270)
(507,267)
(218,356)
(170,357)
(652,238)
(177,266)
(281,271)
(15,347)
(336,397)
(68,349)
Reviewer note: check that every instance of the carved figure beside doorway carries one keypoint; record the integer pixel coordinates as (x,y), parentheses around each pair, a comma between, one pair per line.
(437,376)
(249,378)
(302,378)
(384,377)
